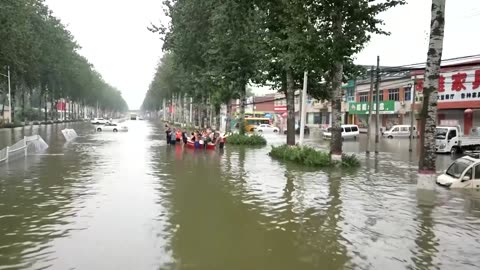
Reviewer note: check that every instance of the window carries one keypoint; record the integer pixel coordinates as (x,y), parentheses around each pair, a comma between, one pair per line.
(395,129)
(354,129)
(363,97)
(408,94)
(380,96)
(477,172)
(452,134)
(393,94)
(348,129)
(404,129)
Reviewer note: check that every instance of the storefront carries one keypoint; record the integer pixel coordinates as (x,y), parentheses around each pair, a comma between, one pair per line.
(458,96)
(359,112)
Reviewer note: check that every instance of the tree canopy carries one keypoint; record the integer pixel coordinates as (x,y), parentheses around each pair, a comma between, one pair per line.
(44,60)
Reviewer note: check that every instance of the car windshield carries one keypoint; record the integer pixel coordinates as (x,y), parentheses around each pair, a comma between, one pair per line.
(456,169)
(441,133)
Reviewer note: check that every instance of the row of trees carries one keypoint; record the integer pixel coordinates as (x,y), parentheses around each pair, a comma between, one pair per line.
(215,48)
(44,63)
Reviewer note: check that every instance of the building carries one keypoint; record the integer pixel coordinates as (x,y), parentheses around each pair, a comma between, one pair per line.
(395,101)
(458,94)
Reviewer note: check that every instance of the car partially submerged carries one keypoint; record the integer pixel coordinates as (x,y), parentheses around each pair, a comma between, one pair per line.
(462,173)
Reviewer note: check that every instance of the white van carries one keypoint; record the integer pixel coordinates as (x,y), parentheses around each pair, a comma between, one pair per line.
(400,131)
(348,132)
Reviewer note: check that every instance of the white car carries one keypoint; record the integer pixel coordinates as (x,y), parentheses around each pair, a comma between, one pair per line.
(462,173)
(114,127)
(99,121)
(348,132)
(267,128)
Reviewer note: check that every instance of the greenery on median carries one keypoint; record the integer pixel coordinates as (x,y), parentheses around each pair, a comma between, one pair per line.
(310,157)
(251,140)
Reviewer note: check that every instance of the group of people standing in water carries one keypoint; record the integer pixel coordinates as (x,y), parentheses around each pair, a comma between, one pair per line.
(200,139)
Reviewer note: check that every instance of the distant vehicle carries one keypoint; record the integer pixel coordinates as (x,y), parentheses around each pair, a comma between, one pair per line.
(99,121)
(306,130)
(133,116)
(114,127)
(266,128)
(400,131)
(462,173)
(252,122)
(450,140)
(348,132)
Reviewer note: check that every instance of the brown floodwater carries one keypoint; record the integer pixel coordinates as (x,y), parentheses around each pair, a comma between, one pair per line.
(129,201)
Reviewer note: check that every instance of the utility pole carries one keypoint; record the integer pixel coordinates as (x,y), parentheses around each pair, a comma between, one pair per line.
(304,108)
(377,116)
(412,112)
(370,106)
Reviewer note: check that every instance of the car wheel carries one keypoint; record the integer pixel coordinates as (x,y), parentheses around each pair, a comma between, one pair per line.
(115,130)
(390,137)
(454,151)
(99,130)
(260,130)
(275,131)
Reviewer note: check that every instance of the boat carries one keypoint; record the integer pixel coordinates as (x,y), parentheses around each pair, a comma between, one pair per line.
(191,144)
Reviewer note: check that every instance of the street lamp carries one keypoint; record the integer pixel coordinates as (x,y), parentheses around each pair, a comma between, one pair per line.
(9,94)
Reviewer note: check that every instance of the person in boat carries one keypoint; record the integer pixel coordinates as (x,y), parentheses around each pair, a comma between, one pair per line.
(178,136)
(168,132)
(173,137)
(197,140)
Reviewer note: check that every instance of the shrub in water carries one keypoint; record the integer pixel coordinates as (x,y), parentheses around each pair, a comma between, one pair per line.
(310,157)
(237,139)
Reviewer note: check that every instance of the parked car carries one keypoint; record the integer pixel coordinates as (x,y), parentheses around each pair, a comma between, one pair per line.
(266,128)
(400,131)
(348,132)
(462,173)
(99,121)
(114,127)
(306,130)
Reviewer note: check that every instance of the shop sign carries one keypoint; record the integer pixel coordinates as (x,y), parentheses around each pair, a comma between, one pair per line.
(385,107)
(463,85)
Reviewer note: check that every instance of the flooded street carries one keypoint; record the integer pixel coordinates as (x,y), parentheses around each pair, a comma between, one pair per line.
(128,201)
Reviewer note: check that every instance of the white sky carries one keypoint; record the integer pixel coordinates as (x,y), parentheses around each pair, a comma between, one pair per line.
(114,37)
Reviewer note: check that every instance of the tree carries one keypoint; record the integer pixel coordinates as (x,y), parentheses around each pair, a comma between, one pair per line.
(345,26)
(428,114)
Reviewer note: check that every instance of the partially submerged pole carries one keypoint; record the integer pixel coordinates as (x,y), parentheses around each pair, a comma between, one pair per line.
(304,108)
(370,106)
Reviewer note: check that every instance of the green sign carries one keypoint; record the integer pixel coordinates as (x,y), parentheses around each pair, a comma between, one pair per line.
(385,107)
(349,84)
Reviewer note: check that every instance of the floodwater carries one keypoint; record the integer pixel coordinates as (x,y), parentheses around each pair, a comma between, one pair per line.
(128,201)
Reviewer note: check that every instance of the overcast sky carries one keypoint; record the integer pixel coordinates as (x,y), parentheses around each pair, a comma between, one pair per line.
(114,37)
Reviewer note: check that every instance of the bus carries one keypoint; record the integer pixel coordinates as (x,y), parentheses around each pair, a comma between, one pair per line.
(252,122)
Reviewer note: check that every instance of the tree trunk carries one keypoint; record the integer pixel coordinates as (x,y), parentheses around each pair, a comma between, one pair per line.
(428,115)
(290,95)
(228,119)
(337,75)
(46,107)
(243,102)
(336,141)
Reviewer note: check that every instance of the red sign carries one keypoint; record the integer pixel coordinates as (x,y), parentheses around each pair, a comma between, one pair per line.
(280,108)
